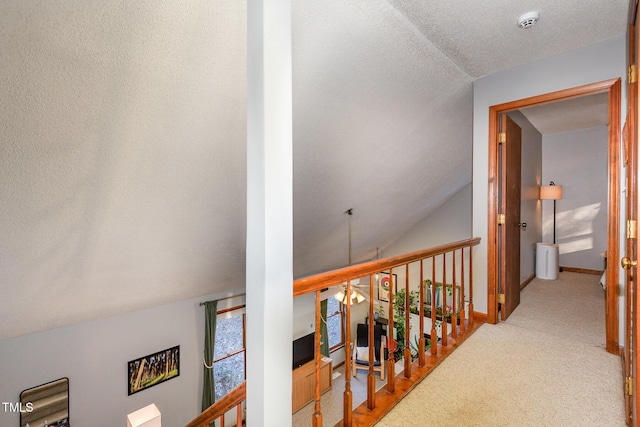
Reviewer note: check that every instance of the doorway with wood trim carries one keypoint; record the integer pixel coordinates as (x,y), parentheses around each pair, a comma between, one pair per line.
(632,247)
(498,239)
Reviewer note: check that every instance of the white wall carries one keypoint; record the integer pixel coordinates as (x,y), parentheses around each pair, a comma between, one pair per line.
(578,161)
(94,356)
(530,206)
(593,63)
(448,223)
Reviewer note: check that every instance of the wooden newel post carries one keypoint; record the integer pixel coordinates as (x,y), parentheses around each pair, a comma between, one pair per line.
(445,332)
(316,418)
(462,309)
(434,317)
(391,365)
(454,302)
(407,326)
(470,287)
(421,341)
(348,397)
(371,377)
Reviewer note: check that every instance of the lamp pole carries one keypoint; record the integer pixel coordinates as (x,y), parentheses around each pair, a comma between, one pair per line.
(554,221)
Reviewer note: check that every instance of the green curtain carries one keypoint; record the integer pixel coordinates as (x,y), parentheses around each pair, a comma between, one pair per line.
(324,332)
(208,390)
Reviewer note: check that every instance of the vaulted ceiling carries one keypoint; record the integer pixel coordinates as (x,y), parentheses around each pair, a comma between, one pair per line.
(122,153)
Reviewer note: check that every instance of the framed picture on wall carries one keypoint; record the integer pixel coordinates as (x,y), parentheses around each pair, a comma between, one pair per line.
(385,285)
(46,405)
(153,369)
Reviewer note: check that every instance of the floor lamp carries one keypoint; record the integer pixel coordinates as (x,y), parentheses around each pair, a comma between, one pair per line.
(552,192)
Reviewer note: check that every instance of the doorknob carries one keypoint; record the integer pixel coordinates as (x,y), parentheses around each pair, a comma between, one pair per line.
(522,225)
(627,263)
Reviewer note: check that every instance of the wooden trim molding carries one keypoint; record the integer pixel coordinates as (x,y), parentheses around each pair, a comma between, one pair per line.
(582,270)
(613,217)
(527,281)
(613,88)
(480,317)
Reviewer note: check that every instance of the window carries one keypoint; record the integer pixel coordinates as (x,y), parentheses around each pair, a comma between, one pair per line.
(229,351)
(335,323)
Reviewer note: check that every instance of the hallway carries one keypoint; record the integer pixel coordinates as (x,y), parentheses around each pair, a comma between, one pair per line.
(546,365)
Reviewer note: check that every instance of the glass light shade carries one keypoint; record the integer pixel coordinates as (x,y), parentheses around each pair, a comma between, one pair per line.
(355,295)
(551,192)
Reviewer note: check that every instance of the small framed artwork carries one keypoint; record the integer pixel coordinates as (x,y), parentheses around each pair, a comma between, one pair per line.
(45,405)
(385,285)
(153,369)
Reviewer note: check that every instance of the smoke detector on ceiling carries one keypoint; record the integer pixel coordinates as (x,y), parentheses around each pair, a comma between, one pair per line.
(528,20)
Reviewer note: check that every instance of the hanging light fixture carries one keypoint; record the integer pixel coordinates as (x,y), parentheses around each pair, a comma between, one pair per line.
(355,295)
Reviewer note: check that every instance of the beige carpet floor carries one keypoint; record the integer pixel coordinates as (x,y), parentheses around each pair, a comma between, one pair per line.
(545,366)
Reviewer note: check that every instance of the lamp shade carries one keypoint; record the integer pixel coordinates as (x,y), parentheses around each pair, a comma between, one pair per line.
(551,192)
(149,416)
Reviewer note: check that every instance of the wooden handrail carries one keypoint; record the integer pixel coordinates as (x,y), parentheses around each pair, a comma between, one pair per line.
(320,281)
(222,406)
(440,345)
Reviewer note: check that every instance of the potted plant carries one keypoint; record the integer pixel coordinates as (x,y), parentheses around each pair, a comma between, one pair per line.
(399,300)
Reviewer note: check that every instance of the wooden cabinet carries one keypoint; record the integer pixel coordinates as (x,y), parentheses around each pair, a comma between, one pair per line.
(304,382)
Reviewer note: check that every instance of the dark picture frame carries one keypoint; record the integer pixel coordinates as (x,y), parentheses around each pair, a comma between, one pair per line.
(49,401)
(153,369)
(383,286)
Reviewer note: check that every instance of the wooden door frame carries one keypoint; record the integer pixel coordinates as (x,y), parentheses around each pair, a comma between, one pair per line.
(630,132)
(613,88)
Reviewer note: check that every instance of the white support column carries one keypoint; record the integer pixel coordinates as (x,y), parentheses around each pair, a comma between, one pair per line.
(269,213)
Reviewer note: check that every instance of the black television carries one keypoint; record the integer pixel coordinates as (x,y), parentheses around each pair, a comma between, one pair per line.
(303,350)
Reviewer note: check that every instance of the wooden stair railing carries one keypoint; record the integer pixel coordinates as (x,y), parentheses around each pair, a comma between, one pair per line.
(448,278)
(221,407)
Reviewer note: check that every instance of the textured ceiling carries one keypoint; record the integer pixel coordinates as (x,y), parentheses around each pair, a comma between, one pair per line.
(483,37)
(569,115)
(122,155)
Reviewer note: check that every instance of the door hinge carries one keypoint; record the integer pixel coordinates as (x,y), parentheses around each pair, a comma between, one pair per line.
(628,386)
(632,229)
(502,137)
(502,219)
(501,299)
(632,77)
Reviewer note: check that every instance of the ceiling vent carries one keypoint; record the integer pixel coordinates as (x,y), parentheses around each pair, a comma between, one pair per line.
(528,20)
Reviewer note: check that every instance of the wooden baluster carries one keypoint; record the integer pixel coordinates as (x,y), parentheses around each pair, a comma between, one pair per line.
(221,420)
(462,309)
(407,326)
(421,341)
(371,377)
(444,300)
(454,305)
(391,365)
(470,287)
(238,415)
(434,317)
(316,419)
(347,408)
